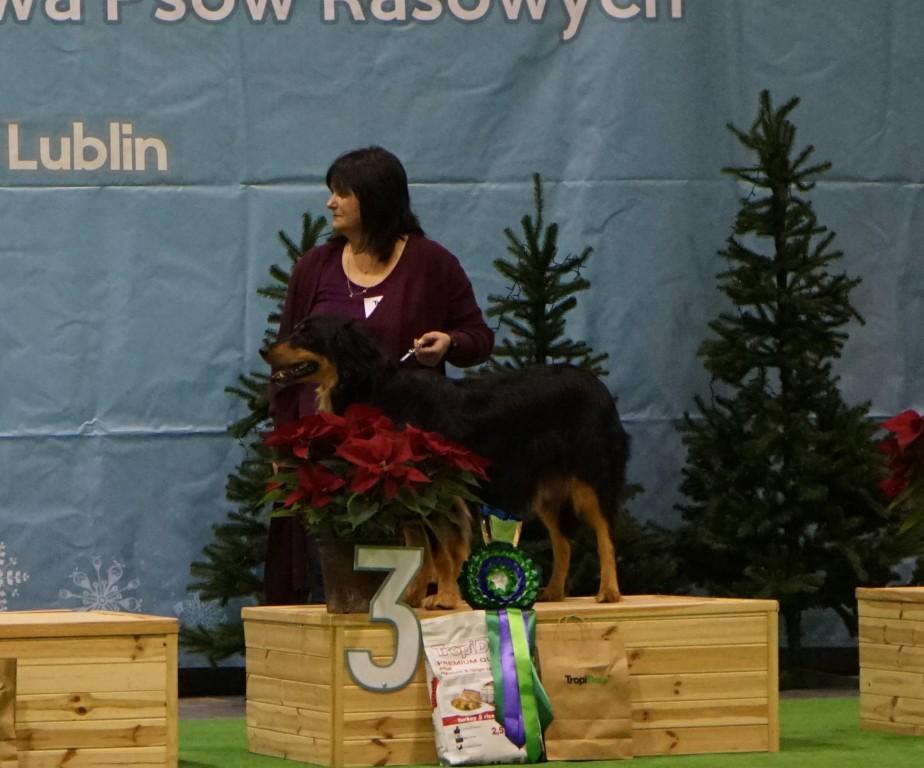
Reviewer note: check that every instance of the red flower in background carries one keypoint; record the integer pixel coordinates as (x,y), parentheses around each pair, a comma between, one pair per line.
(907,427)
(905,452)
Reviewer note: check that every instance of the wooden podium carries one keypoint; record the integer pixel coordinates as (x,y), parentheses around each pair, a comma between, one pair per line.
(94,689)
(703,679)
(892,659)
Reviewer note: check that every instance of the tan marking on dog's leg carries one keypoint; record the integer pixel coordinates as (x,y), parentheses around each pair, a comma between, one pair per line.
(587,505)
(547,507)
(452,550)
(416,536)
(325,380)
(322,400)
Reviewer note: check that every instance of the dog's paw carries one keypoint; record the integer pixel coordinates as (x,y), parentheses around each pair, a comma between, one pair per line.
(414,596)
(440,601)
(549,595)
(608,595)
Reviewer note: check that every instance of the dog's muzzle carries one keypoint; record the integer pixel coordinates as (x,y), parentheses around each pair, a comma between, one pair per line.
(287,375)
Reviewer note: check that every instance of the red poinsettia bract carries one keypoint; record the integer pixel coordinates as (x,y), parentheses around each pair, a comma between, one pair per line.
(428,443)
(382,458)
(905,451)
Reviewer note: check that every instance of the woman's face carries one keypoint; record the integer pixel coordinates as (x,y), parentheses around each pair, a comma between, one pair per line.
(345,214)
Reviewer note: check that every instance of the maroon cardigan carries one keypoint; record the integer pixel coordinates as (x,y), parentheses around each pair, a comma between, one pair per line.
(426,291)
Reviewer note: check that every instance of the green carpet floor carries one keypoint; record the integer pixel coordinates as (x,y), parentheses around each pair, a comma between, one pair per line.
(815,733)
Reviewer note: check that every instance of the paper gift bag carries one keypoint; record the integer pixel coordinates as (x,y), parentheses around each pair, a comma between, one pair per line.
(585,673)
(8,757)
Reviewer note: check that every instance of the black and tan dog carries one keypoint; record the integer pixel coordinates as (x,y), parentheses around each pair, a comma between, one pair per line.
(552,435)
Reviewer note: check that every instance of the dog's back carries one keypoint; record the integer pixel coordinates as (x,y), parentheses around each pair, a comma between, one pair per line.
(534,424)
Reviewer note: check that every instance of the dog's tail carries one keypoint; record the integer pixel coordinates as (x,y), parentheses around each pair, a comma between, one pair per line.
(614,490)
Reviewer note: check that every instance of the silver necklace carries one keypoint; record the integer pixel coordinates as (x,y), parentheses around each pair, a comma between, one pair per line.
(358,292)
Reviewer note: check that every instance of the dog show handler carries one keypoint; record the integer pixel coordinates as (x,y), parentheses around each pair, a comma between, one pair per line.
(410,293)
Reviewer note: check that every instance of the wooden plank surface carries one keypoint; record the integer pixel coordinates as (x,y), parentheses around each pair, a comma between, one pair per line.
(900,709)
(902,594)
(419,751)
(304,722)
(90,650)
(711,658)
(891,631)
(263,741)
(93,678)
(683,714)
(294,638)
(631,606)
(171,670)
(287,666)
(274,691)
(96,734)
(64,623)
(696,687)
(888,609)
(773,684)
(113,705)
(906,658)
(891,683)
(692,741)
(412,697)
(388,725)
(139,757)
(884,725)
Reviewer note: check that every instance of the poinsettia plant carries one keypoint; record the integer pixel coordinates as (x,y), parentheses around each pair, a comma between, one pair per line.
(904,450)
(360,475)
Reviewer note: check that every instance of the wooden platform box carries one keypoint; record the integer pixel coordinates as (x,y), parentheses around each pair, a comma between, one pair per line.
(94,689)
(703,676)
(892,659)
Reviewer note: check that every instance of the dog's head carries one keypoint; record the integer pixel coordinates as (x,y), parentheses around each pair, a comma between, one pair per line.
(331,353)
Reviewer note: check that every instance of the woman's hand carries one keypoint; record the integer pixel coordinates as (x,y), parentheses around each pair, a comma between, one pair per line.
(432,347)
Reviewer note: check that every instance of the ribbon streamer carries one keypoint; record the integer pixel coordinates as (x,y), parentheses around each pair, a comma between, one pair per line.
(520,703)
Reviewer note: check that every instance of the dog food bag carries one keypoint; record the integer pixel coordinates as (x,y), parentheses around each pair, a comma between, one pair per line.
(462,692)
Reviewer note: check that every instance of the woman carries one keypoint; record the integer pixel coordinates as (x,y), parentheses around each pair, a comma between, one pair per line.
(410,293)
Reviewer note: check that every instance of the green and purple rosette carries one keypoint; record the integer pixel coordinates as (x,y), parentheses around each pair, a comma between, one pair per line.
(504,582)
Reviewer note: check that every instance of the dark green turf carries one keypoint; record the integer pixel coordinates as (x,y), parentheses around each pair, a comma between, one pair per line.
(815,733)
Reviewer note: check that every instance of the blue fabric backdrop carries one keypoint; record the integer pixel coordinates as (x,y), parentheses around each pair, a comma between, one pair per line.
(128,295)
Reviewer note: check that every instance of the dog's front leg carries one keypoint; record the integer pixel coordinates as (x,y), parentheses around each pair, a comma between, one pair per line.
(448,563)
(452,539)
(415,536)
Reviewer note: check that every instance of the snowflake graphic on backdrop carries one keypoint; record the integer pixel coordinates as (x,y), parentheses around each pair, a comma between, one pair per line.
(10,577)
(192,612)
(105,593)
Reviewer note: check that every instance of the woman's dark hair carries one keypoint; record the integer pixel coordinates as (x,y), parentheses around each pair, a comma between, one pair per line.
(379,182)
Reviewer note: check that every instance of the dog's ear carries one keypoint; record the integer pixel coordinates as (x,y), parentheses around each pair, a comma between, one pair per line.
(357,359)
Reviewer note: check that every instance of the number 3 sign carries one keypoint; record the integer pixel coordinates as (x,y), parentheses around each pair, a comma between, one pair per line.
(403,564)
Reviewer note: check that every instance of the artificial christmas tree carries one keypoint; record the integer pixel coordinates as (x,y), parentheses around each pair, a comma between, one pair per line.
(781,474)
(542,290)
(232,564)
